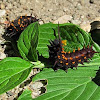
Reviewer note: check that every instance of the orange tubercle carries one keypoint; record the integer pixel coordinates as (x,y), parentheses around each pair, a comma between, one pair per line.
(63,55)
(78,49)
(20,16)
(60,61)
(12,24)
(18,22)
(59,57)
(66,63)
(79,60)
(69,52)
(74,50)
(73,62)
(64,42)
(66,58)
(63,52)
(62,49)
(71,58)
(84,57)
(76,57)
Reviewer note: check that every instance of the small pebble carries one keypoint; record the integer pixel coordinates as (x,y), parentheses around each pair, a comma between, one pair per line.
(3,96)
(9,6)
(36,85)
(0,41)
(17,91)
(63,19)
(2,6)
(96,19)
(65,9)
(77,22)
(13,90)
(34,95)
(84,2)
(2,55)
(23,1)
(50,9)
(2,31)
(41,22)
(10,98)
(9,93)
(79,7)
(35,71)
(20,89)
(2,13)
(86,27)
(82,16)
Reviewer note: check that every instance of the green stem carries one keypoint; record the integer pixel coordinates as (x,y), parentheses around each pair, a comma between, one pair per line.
(38,64)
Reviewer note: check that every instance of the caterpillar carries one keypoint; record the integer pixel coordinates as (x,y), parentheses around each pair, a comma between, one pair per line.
(18,25)
(64,60)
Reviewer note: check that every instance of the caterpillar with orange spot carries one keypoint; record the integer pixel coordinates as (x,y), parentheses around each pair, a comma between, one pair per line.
(18,25)
(64,60)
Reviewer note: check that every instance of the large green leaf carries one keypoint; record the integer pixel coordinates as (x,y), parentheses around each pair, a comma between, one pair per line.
(75,36)
(28,41)
(46,32)
(78,93)
(70,85)
(76,84)
(13,71)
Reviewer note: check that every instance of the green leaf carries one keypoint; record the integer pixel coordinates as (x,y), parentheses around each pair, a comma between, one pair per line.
(75,37)
(13,71)
(28,41)
(38,64)
(45,34)
(26,95)
(76,84)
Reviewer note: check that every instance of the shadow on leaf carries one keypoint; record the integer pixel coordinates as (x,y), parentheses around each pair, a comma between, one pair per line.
(46,61)
(97,78)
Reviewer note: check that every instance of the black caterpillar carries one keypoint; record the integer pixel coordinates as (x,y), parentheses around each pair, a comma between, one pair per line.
(64,60)
(17,26)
